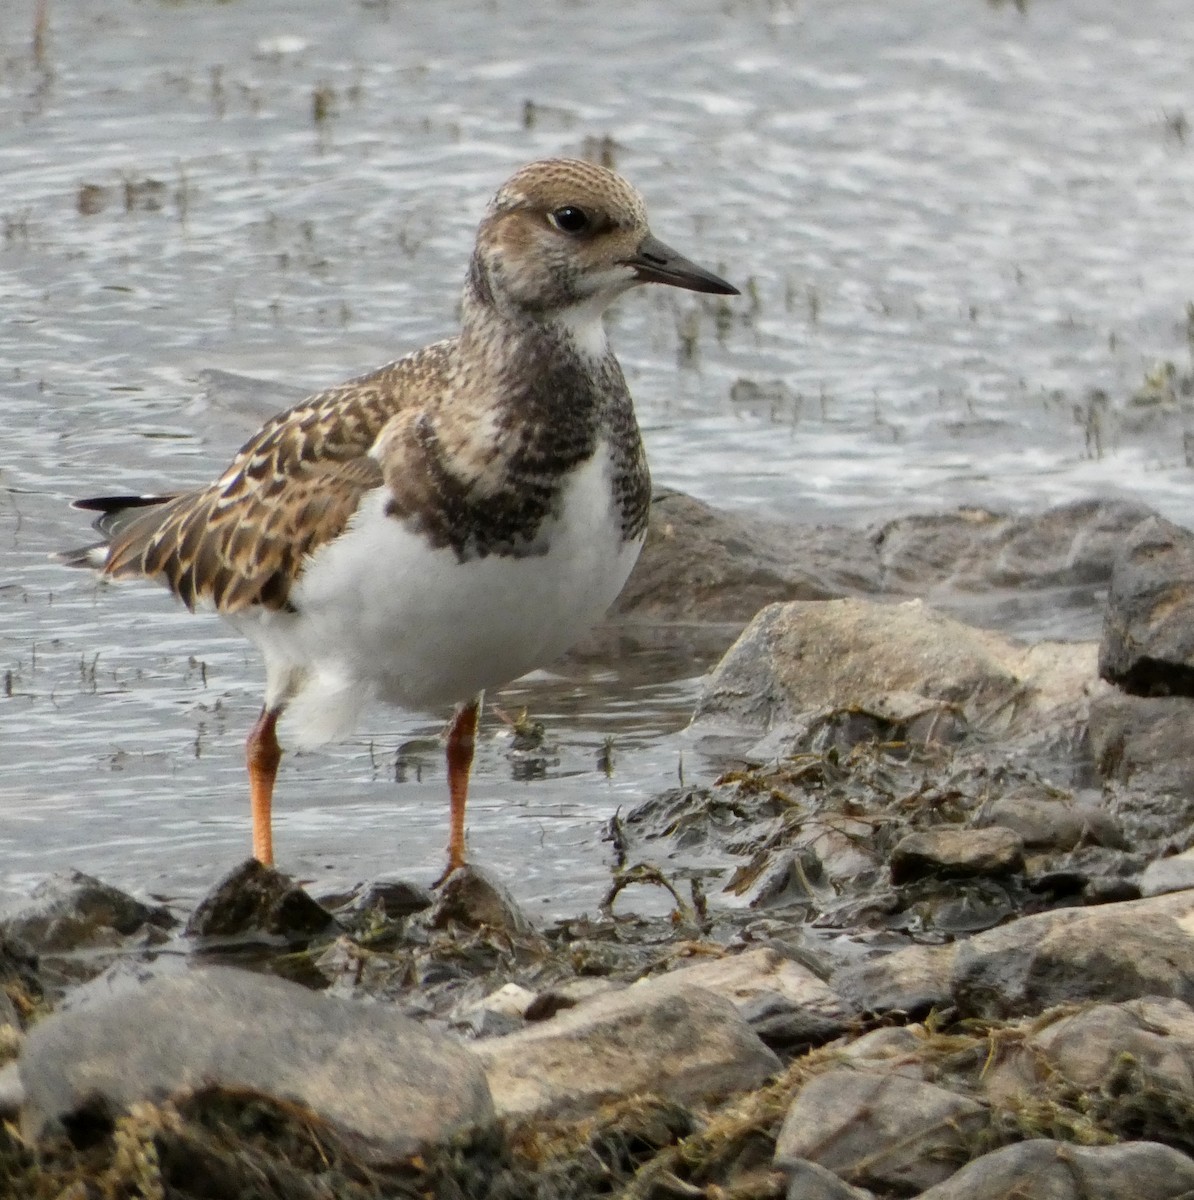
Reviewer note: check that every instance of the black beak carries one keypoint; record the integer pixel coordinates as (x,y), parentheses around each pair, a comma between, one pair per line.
(653,262)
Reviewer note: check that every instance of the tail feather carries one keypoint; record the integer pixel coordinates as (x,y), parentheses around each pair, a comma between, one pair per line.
(116,513)
(93,556)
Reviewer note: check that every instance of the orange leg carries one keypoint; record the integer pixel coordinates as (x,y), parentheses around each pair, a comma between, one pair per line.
(462,737)
(263,754)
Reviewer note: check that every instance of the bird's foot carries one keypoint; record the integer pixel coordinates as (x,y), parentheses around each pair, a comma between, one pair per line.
(454,864)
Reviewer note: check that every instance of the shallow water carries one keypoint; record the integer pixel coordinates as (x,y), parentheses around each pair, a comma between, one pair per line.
(955,223)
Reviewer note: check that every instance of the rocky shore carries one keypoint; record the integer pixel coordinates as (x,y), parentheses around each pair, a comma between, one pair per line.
(930,927)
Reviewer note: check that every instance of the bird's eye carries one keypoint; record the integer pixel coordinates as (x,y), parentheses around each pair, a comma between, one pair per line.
(569,219)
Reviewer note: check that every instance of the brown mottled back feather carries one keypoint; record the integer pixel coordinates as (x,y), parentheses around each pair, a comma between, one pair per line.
(290,489)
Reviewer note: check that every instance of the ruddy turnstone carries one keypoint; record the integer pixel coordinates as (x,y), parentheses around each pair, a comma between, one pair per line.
(447,522)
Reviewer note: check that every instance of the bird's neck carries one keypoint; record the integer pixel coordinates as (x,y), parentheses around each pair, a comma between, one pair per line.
(500,330)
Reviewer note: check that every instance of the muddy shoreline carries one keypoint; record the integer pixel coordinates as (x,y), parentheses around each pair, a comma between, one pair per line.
(928,925)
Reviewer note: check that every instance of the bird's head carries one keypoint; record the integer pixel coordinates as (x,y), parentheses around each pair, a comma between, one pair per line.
(564,237)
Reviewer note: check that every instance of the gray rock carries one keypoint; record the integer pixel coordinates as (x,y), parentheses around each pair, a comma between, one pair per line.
(1148,631)
(801,658)
(974,550)
(1090,876)
(254,900)
(1144,748)
(124,977)
(1061,1171)
(911,980)
(485,1023)
(684,1045)
(811,1181)
(75,911)
(784,1002)
(957,852)
(1053,821)
(1109,952)
(1086,1048)
(787,1027)
(893,1049)
(502,1011)
(1173,874)
(934,548)
(473,898)
(702,564)
(881,1131)
(365,1068)
(391,899)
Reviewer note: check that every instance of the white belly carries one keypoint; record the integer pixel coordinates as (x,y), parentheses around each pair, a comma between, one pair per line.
(382,614)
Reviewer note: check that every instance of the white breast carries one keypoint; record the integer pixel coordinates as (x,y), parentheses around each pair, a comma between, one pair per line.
(383,614)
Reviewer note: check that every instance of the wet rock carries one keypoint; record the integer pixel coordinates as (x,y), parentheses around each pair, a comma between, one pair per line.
(704,564)
(1148,630)
(76,912)
(1173,874)
(510,999)
(68,931)
(502,1011)
(1062,1171)
(975,550)
(699,563)
(364,1068)
(479,1022)
(788,1027)
(1110,952)
(377,915)
(743,819)
(255,901)
(683,1045)
(1144,748)
(912,980)
(1147,1042)
(957,852)
(474,899)
(811,835)
(783,1001)
(1091,875)
(811,1181)
(801,658)
(895,1050)
(343,964)
(882,1131)
(902,717)
(392,899)
(126,976)
(1054,820)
